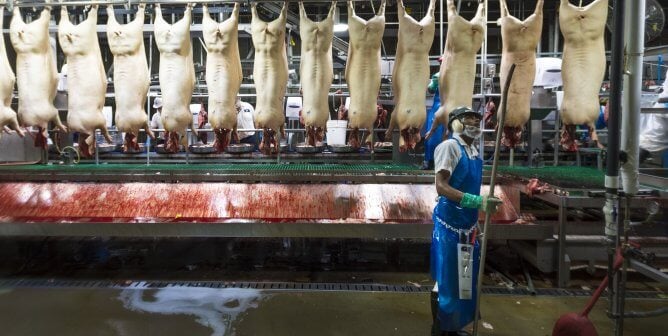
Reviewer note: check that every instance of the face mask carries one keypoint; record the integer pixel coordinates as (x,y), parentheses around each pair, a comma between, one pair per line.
(472,131)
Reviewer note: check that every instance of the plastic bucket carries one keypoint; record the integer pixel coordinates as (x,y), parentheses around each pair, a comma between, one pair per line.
(560,98)
(336,132)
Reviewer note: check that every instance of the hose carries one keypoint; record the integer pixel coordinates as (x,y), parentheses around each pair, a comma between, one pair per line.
(74,150)
(652,313)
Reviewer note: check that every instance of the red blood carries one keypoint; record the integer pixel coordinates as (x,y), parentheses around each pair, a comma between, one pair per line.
(354,138)
(129,202)
(269,140)
(567,141)
(314,135)
(535,187)
(40,138)
(130,144)
(511,136)
(220,202)
(172,144)
(411,137)
(85,150)
(222,139)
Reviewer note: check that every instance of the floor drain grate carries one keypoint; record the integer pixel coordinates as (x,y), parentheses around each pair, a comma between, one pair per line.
(298,286)
(277,286)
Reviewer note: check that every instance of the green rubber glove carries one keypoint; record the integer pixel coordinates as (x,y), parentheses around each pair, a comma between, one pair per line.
(486,203)
(491,204)
(433,85)
(471,201)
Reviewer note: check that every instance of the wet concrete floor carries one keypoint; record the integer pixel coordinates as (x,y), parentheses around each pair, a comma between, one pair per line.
(209,311)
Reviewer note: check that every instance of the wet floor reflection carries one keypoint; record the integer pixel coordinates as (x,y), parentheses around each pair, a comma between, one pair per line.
(212,307)
(195,311)
(171,311)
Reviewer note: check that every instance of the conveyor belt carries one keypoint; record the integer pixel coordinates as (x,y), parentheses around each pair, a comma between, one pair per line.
(300,173)
(232,210)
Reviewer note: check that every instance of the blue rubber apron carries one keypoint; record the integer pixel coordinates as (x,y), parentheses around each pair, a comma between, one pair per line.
(451,225)
(437,137)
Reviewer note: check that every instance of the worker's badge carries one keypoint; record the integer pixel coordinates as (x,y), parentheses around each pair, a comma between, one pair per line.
(465,270)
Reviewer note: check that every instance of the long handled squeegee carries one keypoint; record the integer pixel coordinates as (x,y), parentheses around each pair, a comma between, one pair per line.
(488,215)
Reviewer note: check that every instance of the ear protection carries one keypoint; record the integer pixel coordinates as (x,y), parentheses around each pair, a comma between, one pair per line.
(457,126)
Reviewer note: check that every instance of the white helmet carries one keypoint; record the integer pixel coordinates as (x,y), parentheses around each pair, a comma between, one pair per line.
(157,103)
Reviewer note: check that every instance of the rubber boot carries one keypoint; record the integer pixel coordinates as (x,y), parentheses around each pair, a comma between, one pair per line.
(435,326)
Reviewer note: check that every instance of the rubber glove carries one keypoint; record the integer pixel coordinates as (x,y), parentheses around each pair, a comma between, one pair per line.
(486,203)
(433,85)
(491,204)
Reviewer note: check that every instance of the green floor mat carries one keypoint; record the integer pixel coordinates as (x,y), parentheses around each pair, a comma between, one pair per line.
(562,176)
(264,168)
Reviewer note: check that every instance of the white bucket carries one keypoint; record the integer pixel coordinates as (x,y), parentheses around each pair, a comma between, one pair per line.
(560,98)
(336,132)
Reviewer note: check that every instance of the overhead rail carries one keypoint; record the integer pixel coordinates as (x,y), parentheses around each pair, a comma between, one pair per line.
(19,3)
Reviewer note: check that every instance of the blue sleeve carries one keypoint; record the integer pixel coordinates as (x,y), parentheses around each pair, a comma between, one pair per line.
(600,121)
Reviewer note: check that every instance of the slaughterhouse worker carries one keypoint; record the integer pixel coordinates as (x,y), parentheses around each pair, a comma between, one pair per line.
(458,169)
(156,120)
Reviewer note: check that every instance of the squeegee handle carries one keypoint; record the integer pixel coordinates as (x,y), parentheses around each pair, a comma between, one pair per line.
(492,182)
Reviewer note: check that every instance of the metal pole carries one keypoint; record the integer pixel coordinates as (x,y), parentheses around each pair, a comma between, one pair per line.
(634,36)
(278,144)
(440,27)
(563,271)
(611,208)
(148,94)
(183,2)
(97,149)
(555,38)
(556,138)
(483,63)
(187,146)
(488,215)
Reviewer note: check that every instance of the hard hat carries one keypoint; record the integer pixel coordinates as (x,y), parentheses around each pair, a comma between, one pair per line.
(460,112)
(157,103)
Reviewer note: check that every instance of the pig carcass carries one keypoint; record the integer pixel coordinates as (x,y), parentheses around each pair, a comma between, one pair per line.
(520,39)
(363,72)
(316,71)
(36,75)
(270,75)
(131,77)
(583,66)
(223,74)
(177,77)
(457,73)
(7,80)
(410,75)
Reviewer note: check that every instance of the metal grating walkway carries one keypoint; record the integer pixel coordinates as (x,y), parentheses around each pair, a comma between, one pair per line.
(240,167)
(297,286)
(239,172)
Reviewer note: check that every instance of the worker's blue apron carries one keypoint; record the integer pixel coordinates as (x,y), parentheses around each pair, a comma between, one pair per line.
(437,137)
(452,224)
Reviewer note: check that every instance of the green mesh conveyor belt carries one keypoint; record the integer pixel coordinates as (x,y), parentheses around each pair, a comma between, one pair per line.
(250,168)
(561,176)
